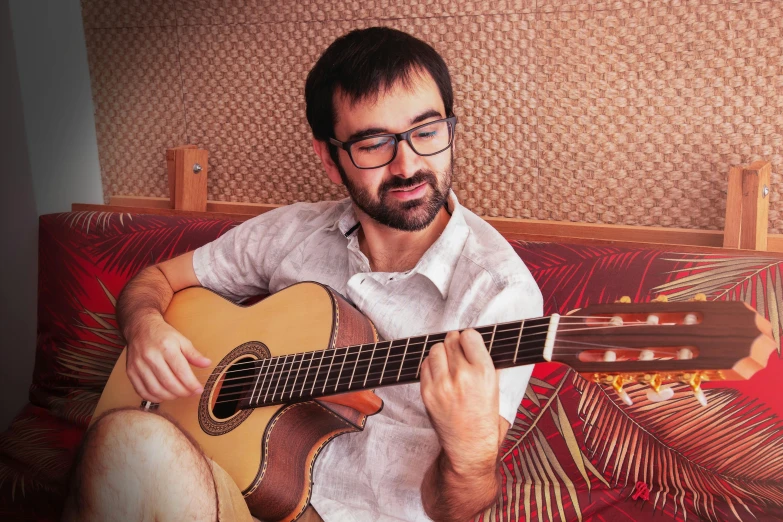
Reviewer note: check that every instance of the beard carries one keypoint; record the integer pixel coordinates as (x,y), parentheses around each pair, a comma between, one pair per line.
(408,216)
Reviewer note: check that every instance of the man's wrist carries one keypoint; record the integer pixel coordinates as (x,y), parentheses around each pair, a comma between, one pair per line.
(460,468)
(141,319)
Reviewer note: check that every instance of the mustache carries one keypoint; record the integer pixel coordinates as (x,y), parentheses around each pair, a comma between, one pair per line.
(406,183)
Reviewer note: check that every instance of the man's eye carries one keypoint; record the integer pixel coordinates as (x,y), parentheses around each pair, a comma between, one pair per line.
(374,146)
(426,135)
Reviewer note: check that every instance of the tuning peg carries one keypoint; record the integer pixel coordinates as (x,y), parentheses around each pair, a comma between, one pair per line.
(699,297)
(656,393)
(661,299)
(624,299)
(695,384)
(617,384)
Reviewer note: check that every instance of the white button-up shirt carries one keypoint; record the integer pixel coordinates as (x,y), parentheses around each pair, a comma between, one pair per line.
(469,277)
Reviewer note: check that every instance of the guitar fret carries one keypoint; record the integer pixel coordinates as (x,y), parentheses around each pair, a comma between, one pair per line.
(402,362)
(421,359)
(385,362)
(255,386)
(519,338)
(492,339)
(277,359)
(279,377)
(328,371)
(355,364)
(315,379)
(304,381)
(345,356)
(296,379)
(267,373)
(369,364)
(288,376)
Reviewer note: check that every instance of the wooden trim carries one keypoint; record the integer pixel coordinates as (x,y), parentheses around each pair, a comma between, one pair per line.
(510,228)
(158,211)
(139,201)
(171,168)
(733,225)
(747,207)
(513,229)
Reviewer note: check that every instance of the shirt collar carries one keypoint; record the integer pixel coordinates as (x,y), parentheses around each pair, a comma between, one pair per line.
(440,260)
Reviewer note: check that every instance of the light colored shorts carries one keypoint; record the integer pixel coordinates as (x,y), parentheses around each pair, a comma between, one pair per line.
(232,506)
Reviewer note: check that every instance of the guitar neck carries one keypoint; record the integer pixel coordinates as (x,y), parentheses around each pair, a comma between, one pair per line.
(310,375)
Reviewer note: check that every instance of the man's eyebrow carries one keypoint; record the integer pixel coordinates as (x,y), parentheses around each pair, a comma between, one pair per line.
(431,113)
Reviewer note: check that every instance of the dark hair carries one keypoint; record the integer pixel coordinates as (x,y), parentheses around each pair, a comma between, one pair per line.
(364,62)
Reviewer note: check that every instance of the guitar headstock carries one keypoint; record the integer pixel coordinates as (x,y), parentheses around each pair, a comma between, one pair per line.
(662,342)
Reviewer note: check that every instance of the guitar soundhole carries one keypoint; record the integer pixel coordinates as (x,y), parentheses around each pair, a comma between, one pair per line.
(229,386)
(235,385)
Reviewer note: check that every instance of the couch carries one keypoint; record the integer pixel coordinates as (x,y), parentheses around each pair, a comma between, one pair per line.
(575,452)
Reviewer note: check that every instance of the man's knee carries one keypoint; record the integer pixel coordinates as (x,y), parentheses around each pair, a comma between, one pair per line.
(127,446)
(116,438)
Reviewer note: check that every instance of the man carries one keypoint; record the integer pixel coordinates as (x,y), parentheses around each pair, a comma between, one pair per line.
(404,251)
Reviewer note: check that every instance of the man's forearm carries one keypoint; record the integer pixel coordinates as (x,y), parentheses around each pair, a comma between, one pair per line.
(148,293)
(455,495)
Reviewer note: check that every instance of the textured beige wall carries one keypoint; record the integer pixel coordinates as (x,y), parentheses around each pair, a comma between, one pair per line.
(625,111)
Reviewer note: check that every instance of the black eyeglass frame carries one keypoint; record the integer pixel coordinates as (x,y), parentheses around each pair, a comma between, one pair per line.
(406,136)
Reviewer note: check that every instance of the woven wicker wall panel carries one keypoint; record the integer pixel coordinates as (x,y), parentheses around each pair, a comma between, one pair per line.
(208,12)
(137,95)
(128,13)
(643,111)
(555,6)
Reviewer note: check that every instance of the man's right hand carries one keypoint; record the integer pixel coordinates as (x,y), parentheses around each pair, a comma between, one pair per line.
(159,359)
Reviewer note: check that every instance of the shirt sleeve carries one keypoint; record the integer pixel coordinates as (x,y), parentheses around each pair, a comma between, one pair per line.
(241,262)
(515,302)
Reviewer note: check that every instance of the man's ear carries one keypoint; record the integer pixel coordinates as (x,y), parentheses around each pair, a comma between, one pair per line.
(321,149)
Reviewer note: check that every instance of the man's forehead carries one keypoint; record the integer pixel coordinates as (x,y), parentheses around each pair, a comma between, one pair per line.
(417,94)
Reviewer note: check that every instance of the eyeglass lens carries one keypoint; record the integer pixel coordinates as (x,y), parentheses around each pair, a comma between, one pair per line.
(426,140)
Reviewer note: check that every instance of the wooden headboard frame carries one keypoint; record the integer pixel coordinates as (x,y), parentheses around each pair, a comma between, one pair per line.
(747,208)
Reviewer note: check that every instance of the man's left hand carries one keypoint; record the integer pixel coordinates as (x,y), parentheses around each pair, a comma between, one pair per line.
(459,388)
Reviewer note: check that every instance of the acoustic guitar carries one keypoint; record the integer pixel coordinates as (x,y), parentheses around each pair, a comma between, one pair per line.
(298,368)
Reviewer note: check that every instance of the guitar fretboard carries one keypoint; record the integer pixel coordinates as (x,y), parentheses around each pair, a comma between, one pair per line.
(309,375)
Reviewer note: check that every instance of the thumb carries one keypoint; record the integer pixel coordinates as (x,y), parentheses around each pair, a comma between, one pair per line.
(193,356)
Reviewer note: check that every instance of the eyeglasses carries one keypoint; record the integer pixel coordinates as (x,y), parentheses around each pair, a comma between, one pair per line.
(379,150)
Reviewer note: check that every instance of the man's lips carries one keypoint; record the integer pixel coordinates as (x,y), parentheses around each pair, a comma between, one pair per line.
(409,193)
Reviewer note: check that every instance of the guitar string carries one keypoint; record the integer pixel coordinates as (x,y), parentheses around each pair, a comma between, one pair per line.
(526,331)
(413,353)
(323,384)
(282,400)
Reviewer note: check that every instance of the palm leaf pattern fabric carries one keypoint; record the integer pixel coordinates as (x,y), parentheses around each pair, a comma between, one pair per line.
(575,451)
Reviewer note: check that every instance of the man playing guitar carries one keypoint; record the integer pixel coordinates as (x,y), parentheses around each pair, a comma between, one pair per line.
(403,251)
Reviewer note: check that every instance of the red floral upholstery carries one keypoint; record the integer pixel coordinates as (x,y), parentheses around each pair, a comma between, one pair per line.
(575,451)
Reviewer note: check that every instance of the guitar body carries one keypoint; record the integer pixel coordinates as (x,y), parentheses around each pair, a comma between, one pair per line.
(268,451)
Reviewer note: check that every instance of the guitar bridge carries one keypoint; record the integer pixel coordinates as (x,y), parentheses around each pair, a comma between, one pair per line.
(149,406)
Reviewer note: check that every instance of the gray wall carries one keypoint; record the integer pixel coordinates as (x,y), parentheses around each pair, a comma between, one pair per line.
(58,112)
(50,160)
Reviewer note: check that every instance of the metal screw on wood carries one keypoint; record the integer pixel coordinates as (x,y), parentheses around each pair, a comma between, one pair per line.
(196,168)
(765,191)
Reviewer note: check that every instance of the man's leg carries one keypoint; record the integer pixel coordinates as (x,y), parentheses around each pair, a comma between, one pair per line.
(135,465)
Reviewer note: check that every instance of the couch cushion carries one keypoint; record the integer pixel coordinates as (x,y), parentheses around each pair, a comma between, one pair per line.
(574,452)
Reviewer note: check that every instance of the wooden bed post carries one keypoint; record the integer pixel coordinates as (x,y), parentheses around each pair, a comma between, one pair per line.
(747,207)
(187,168)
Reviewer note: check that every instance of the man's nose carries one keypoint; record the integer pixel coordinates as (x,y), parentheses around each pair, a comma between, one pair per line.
(406,163)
